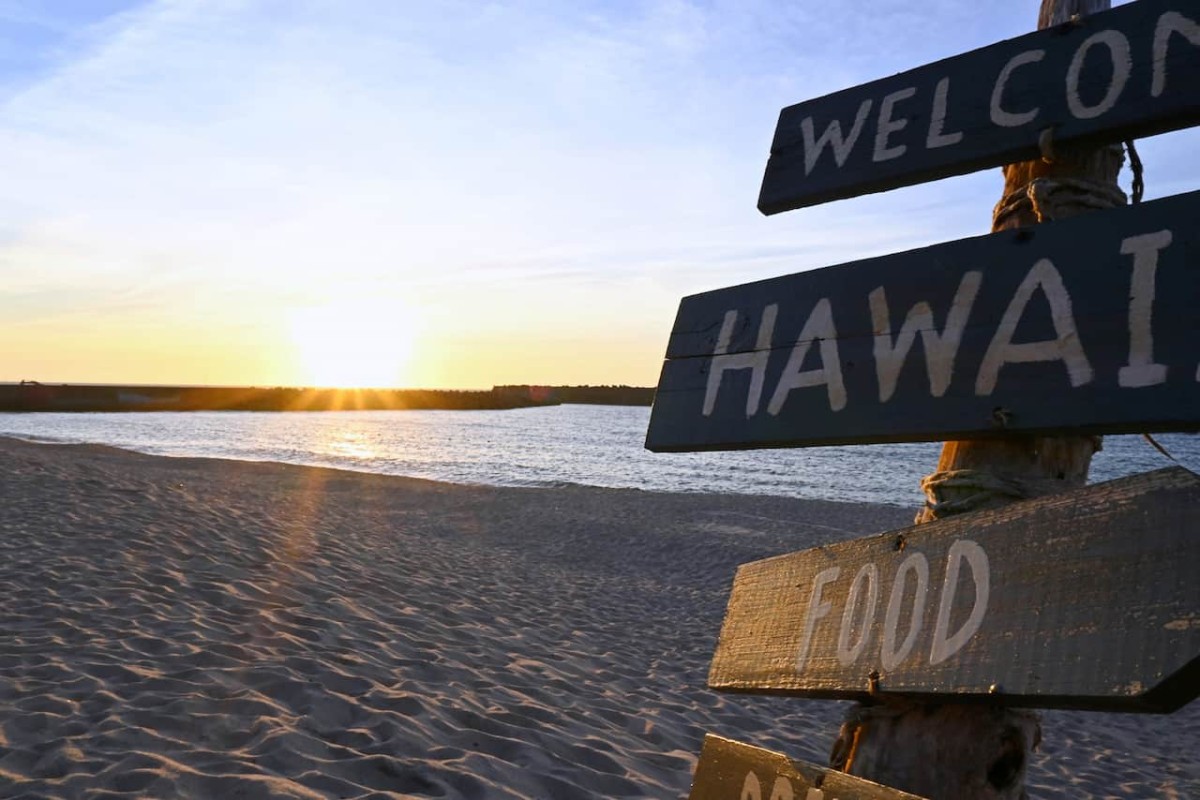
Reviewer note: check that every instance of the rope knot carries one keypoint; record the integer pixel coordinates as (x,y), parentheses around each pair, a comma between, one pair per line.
(986,486)
(1054,198)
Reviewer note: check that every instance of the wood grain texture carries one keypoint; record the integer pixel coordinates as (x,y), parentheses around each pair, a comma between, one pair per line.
(902,144)
(729,770)
(1089,600)
(1033,397)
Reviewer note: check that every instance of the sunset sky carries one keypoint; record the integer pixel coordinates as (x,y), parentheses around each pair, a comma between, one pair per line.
(436,194)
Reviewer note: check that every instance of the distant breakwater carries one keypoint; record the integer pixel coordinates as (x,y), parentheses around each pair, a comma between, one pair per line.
(34,396)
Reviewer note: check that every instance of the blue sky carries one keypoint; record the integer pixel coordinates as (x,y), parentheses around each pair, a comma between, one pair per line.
(532,186)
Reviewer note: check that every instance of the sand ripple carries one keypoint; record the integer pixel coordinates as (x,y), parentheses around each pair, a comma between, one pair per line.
(189,628)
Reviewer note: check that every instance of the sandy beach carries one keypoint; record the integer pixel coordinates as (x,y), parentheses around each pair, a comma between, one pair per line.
(202,628)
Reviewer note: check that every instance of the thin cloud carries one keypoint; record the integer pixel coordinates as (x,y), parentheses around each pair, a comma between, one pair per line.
(253,155)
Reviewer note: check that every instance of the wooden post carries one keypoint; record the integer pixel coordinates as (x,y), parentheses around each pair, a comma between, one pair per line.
(958,751)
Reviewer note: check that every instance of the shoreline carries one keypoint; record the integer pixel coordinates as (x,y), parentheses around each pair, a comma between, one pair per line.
(184,625)
(908,509)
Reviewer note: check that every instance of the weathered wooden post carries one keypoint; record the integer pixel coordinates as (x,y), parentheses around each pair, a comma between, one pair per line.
(946,750)
(1065,182)
(1017,349)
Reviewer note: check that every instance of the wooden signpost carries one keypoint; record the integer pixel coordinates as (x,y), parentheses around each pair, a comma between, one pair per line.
(1125,73)
(1087,599)
(1089,324)
(729,770)
(1020,343)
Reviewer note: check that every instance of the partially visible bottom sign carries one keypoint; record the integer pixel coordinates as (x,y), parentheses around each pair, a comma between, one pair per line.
(729,770)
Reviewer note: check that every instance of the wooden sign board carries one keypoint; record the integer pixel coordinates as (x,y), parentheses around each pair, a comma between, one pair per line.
(1087,599)
(1119,74)
(1088,324)
(729,770)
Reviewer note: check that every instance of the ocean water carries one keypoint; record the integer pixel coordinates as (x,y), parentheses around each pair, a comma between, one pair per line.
(553,446)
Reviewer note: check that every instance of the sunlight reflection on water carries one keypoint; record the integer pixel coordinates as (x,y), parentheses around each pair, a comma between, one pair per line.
(570,444)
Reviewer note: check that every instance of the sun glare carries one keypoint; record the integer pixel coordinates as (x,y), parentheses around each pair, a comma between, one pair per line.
(354,343)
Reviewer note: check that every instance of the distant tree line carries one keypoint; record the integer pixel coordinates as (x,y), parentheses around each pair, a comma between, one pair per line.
(30,396)
(33,396)
(621,395)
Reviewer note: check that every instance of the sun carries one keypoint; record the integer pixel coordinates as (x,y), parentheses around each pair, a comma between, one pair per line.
(354,343)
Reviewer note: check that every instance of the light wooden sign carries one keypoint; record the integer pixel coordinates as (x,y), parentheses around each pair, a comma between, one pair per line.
(729,770)
(1087,599)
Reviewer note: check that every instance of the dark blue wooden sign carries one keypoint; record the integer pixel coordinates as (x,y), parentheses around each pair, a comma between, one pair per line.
(1089,324)
(1130,72)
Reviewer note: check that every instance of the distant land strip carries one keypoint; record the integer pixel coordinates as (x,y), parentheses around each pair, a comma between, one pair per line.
(34,396)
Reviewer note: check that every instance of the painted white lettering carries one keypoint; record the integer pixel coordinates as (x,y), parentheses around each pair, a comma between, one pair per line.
(940,348)
(818,327)
(751,788)
(1122,63)
(782,790)
(945,646)
(868,576)
(1141,369)
(937,120)
(887,126)
(1010,119)
(1064,347)
(756,360)
(1168,23)
(891,655)
(817,608)
(832,137)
